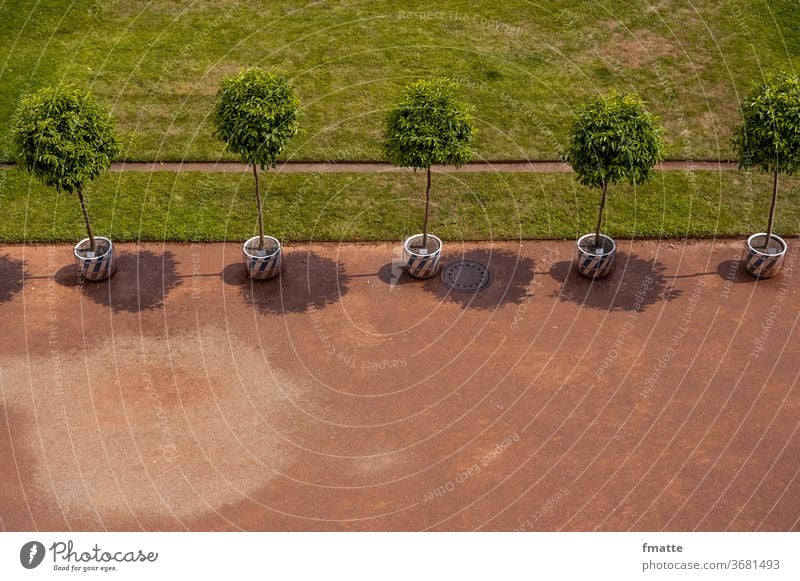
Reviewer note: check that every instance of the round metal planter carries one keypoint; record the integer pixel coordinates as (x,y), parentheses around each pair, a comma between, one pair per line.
(762,262)
(263,264)
(421,262)
(596,262)
(98,265)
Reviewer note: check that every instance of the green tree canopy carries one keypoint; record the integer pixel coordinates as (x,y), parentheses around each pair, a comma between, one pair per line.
(614,139)
(63,137)
(256,113)
(769,135)
(429,126)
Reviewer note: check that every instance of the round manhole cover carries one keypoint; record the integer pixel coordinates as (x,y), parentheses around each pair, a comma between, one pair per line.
(466,276)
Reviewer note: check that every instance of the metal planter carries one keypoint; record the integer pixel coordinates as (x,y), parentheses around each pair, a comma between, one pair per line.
(418,263)
(265,264)
(98,267)
(763,264)
(596,262)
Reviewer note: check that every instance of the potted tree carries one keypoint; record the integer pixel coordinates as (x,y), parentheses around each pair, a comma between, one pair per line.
(769,139)
(64,138)
(256,114)
(613,139)
(429,126)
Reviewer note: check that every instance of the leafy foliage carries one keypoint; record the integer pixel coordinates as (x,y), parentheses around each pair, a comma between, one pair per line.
(429,126)
(614,139)
(256,114)
(63,137)
(769,136)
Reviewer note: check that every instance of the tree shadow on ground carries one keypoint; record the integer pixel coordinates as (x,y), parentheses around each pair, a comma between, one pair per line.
(634,285)
(141,282)
(511,278)
(734,271)
(395,273)
(308,281)
(11,273)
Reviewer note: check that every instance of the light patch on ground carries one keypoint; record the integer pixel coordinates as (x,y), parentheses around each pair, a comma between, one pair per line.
(375,468)
(638,49)
(169,438)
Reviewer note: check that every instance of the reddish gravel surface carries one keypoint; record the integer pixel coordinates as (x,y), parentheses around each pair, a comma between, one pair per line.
(341,397)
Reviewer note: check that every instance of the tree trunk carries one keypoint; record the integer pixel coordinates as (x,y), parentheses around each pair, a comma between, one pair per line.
(772,210)
(600,218)
(86,219)
(427,210)
(260,216)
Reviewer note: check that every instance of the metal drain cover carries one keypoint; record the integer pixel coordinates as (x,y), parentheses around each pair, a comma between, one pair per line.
(466,276)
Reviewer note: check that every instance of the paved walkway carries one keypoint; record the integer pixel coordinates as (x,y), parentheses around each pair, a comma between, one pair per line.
(179,396)
(374,167)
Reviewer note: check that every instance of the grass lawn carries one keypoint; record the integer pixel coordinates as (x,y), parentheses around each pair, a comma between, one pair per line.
(332,207)
(524,65)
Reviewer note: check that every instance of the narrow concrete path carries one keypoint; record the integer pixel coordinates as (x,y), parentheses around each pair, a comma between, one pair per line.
(511,166)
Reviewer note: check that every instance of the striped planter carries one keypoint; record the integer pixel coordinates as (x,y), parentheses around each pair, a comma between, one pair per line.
(418,264)
(592,263)
(95,268)
(263,266)
(759,263)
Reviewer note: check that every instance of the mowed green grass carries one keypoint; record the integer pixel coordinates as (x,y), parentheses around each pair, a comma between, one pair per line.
(333,207)
(524,65)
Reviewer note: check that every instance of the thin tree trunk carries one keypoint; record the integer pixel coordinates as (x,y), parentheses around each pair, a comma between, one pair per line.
(600,218)
(260,216)
(772,210)
(427,209)
(86,219)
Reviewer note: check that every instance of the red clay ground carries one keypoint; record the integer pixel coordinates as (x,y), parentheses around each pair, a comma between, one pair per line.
(179,397)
